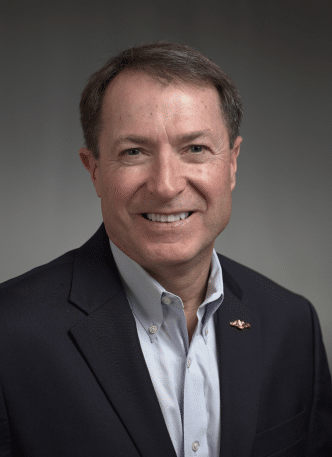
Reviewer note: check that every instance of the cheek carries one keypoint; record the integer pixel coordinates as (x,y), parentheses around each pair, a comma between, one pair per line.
(218,185)
(119,188)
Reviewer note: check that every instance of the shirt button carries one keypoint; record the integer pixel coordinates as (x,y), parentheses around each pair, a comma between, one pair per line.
(153,329)
(166,300)
(195,445)
(189,362)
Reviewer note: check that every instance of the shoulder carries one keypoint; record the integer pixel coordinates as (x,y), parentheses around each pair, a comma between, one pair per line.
(49,270)
(37,287)
(35,310)
(262,293)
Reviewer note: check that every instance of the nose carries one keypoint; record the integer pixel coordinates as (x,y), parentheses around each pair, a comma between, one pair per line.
(167,175)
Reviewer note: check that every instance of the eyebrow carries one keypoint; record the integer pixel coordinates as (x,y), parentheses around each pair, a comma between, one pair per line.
(138,139)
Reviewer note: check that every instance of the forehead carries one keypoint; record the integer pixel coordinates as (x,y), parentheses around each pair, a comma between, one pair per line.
(136,85)
(138,101)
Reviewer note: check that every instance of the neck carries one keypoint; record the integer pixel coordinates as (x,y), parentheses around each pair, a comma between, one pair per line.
(187,282)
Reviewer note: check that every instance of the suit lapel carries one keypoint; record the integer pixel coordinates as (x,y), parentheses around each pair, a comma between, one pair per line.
(239,371)
(108,340)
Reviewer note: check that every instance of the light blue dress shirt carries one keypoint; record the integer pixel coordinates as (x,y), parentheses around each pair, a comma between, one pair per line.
(185,376)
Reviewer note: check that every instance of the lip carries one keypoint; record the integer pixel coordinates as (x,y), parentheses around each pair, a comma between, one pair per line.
(167,213)
(165,226)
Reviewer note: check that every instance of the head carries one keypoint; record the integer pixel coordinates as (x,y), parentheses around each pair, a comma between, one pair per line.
(161,124)
(166,62)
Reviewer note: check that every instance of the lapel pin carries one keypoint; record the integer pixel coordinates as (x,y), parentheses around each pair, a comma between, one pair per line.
(240,325)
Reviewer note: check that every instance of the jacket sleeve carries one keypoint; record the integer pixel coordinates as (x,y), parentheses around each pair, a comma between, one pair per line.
(320,426)
(5,441)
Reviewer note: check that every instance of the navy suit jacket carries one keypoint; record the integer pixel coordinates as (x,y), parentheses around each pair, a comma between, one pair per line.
(74,382)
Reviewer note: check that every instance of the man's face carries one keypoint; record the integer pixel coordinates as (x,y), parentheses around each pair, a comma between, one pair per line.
(148,164)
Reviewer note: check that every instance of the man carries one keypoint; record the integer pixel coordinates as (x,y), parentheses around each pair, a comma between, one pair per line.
(145,341)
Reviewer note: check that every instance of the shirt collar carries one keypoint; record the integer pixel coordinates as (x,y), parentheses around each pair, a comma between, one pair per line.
(147,292)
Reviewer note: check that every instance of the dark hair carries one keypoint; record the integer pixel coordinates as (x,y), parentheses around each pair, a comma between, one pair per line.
(165,62)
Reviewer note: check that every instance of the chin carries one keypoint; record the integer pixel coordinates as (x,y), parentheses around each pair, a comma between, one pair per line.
(169,254)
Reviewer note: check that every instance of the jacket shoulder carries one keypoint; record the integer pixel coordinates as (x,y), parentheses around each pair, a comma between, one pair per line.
(257,287)
(41,274)
(36,302)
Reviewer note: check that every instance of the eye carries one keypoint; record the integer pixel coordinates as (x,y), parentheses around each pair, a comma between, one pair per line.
(129,151)
(197,148)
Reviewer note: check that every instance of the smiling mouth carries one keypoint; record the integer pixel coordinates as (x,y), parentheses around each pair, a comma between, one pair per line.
(167,218)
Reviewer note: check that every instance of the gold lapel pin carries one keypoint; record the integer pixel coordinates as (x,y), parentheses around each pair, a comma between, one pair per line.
(240,325)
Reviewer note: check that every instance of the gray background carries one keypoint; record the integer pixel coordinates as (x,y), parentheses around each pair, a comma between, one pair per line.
(279,55)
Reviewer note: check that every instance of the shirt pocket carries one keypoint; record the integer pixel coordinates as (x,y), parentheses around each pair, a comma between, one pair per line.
(279,438)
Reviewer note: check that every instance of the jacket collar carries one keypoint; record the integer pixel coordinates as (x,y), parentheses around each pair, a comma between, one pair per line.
(107,338)
(95,276)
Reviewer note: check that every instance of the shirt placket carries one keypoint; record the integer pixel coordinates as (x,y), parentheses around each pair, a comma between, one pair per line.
(194,408)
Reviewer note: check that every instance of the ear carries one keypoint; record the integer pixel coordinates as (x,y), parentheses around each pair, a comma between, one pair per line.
(233,160)
(93,167)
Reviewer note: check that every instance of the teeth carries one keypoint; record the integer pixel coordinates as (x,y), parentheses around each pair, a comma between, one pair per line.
(167,218)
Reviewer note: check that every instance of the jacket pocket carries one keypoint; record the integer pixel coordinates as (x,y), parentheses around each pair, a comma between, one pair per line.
(279,437)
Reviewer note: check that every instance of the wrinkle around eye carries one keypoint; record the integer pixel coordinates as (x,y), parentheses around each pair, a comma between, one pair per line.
(204,148)
(187,153)
(122,153)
